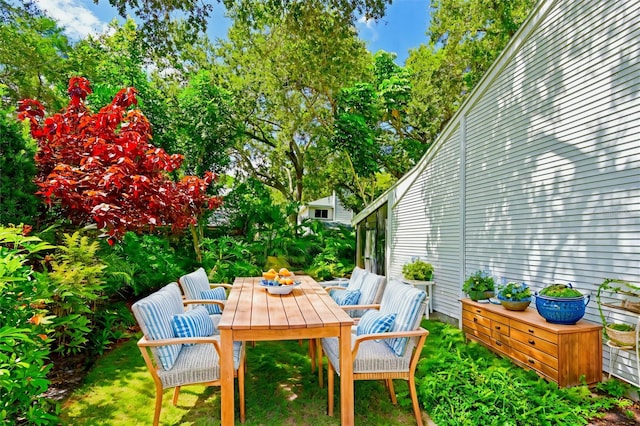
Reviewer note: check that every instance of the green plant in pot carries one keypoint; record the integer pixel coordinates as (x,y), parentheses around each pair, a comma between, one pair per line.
(418,270)
(561,304)
(479,286)
(515,296)
(619,333)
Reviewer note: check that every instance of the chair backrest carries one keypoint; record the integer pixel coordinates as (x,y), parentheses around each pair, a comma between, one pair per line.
(371,291)
(154,314)
(194,283)
(408,303)
(357,276)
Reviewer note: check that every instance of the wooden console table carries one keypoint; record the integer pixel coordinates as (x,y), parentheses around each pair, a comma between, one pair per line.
(560,353)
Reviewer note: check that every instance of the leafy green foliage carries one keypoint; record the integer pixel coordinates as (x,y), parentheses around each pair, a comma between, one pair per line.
(18,169)
(478,281)
(226,258)
(418,270)
(465,385)
(560,290)
(32,53)
(140,264)
(73,284)
(24,325)
(514,291)
(465,38)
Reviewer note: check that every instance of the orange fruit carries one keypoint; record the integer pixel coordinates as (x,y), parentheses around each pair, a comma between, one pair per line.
(284,272)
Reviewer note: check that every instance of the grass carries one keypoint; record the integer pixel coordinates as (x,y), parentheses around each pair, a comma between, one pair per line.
(280,390)
(458,383)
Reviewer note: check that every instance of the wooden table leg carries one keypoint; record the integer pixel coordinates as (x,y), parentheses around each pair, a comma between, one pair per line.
(226,377)
(346,377)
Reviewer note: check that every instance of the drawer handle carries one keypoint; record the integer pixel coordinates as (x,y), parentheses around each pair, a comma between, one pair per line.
(475,320)
(532,362)
(531,331)
(479,311)
(497,327)
(532,342)
(498,343)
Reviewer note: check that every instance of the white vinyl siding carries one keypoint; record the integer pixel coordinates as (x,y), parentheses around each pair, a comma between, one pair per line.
(426,225)
(548,184)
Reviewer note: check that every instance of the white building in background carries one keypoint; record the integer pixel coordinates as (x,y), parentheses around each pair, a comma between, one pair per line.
(327,209)
(537,176)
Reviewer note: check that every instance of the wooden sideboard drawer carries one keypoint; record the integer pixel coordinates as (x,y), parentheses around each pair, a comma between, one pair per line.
(476,318)
(565,354)
(531,352)
(535,364)
(477,332)
(498,327)
(535,331)
(534,342)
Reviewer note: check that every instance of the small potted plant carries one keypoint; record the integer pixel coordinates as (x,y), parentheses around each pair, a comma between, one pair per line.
(561,304)
(418,270)
(620,334)
(479,286)
(515,296)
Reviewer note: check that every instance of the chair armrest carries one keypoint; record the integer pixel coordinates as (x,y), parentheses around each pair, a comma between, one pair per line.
(334,287)
(359,307)
(144,342)
(225,285)
(221,303)
(381,336)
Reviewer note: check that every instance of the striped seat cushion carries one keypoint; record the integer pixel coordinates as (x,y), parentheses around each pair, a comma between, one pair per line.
(196,364)
(373,356)
(218,293)
(154,314)
(194,323)
(408,303)
(373,322)
(346,297)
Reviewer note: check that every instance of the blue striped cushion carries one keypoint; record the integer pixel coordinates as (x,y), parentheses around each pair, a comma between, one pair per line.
(373,322)
(193,323)
(346,297)
(405,301)
(154,314)
(215,294)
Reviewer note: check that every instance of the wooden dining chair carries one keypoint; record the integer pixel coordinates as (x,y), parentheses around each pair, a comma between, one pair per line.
(196,286)
(386,343)
(179,347)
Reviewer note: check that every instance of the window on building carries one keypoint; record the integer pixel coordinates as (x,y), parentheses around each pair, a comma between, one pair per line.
(321,214)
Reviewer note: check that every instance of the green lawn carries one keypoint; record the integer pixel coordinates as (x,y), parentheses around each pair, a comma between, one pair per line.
(459,383)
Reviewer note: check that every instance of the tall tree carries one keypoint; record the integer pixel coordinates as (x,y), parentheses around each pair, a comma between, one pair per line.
(101,168)
(465,38)
(158,17)
(32,55)
(371,146)
(18,202)
(285,76)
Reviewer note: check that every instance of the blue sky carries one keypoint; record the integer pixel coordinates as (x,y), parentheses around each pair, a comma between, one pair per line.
(403,27)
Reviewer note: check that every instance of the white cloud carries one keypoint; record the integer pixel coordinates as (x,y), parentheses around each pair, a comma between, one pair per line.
(367,28)
(77,20)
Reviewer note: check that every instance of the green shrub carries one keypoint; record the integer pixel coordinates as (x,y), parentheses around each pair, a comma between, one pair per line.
(24,345)
(140,264)
(465,384)
(225,258)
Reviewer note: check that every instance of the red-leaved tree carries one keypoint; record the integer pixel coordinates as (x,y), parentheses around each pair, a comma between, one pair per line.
(102,167)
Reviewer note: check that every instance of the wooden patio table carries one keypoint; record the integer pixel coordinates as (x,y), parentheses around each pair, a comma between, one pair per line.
(308,312)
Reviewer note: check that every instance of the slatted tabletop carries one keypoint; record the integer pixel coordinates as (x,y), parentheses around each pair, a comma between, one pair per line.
(308,312)
(251,307)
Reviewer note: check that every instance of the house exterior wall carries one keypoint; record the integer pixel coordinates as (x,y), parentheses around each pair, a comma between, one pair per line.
(426,224)
(537,177)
